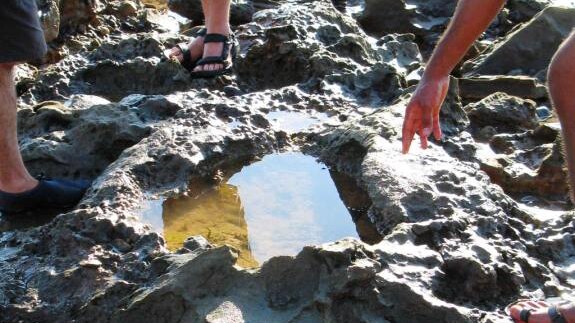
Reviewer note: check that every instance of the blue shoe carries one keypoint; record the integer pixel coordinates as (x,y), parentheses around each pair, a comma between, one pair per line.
(49,194)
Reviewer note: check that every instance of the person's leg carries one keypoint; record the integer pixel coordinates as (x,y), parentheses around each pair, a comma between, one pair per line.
(14,178)
(561,80)
(206,7)
(217,22)
(22,39)
(196,45)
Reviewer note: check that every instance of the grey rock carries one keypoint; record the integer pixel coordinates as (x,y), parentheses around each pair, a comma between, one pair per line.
(504,112)
(477,88)
(381,17)
(196,242)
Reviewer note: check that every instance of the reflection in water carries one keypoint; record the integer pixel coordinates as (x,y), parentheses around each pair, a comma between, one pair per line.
(287,201)
(216,214)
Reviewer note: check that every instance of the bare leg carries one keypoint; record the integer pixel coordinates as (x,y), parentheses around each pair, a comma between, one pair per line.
(206,7)
(218,22)
(14,178)
(561,80)
(196,45)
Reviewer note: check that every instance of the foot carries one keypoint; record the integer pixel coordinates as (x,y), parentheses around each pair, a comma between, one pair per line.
(23,184)
(50,194)
(196,47)
(540,312)
(214,49)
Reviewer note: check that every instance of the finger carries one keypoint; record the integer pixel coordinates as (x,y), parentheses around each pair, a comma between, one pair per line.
(407,135)
(423,134)
(531,305)
(427,124)
(437,128)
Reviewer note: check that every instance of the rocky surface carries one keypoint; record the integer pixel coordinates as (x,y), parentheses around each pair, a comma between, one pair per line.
(465,223)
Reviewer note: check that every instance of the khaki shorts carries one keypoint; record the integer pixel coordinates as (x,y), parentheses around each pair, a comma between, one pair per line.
(21,35)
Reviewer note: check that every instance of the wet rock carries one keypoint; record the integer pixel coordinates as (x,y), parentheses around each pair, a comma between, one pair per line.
(478,88)
(452,116)
(196,242)
(386,17)
(50,19)
(543,113)
(75,14)
(524,10)
(402,50)
(86,141)
(503,112)
(529,49)
(529,163)
(436,8)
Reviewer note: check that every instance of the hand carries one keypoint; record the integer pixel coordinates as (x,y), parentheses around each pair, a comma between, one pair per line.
(422,114)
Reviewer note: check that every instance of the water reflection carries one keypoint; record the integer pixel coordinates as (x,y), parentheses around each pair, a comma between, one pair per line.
(216,214)
(272,207)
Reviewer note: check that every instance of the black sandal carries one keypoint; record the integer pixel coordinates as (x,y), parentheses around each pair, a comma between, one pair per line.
(230,48)
(184,48)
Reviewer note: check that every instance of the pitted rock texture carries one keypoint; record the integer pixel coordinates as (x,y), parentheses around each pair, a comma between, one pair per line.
(459,240)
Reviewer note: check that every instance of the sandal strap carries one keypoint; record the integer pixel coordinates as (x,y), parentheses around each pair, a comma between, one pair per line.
(186,62)
(202,32)
(213,60)
(555,315)
(183,47)
(216,38)
(222,59)
(524,315)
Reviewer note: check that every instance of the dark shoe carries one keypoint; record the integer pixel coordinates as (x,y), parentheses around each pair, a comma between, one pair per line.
(230,48)
(51,194)
(184,48)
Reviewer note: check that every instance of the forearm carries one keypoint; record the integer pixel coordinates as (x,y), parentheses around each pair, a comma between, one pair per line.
(471,19)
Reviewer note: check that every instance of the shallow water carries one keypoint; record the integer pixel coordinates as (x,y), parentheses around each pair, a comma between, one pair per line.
(567,3)
(272,207)
(292,122)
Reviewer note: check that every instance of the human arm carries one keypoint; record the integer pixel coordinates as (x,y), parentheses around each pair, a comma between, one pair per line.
(471,19)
